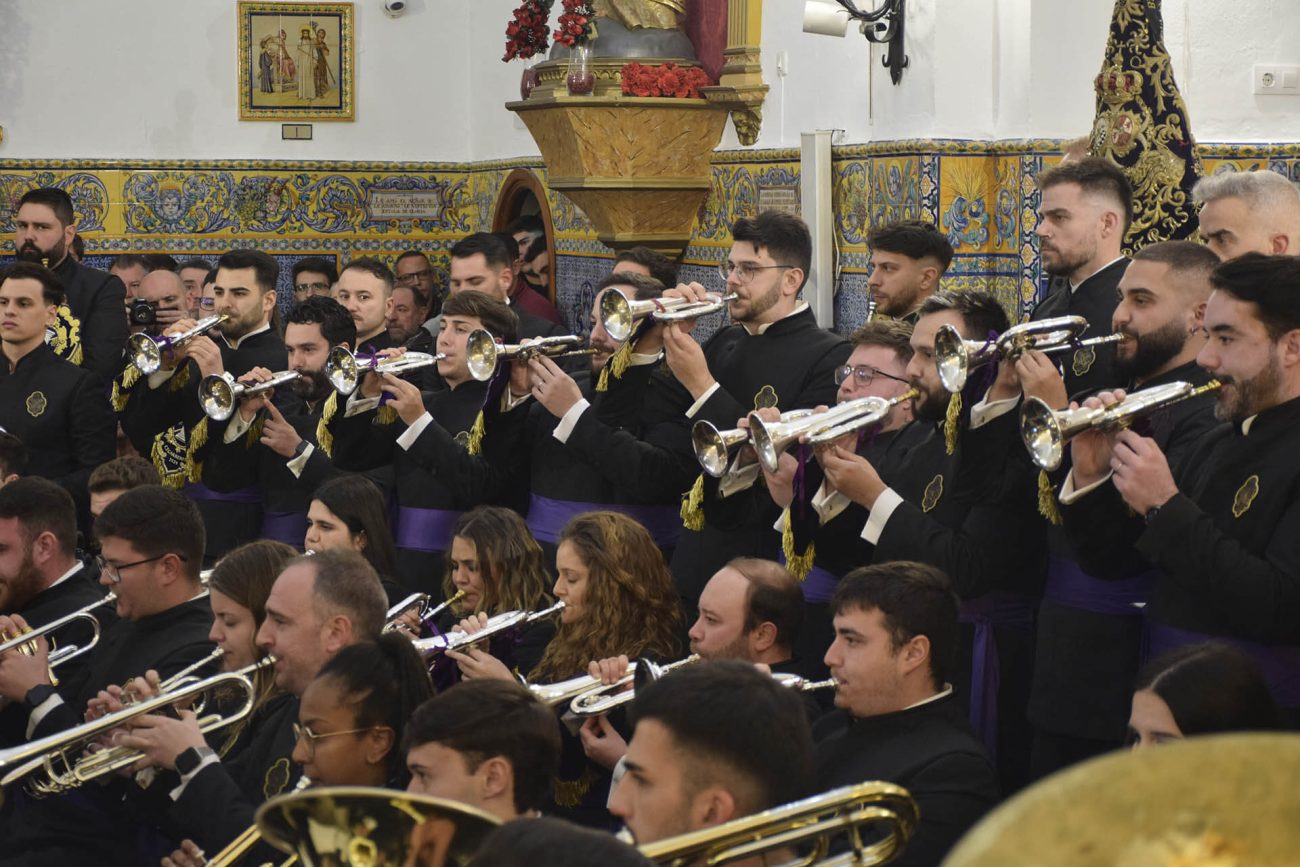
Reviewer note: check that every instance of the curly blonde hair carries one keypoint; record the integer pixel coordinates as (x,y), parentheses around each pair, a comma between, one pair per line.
(630,603)
(509,561)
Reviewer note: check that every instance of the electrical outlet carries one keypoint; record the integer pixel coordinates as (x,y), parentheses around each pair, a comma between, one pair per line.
(1276,79)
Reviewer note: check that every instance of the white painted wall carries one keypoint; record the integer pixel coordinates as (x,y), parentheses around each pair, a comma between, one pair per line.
(156,78)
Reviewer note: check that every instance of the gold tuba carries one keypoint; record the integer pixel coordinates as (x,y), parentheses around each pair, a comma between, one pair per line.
(1045,431)
(620,316)
(145,351)
(847,810)
(956,357)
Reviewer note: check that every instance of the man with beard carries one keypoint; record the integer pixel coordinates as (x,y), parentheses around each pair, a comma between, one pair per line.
(406,317)
(291,462)
(1249,212)
(625,449)
(1219,528)
(963,501)
(773,355)
(43,231)
(221,481)
(907,260)
(1090,629)
(57,409)
(41,578)
(1082,220)
(412,269)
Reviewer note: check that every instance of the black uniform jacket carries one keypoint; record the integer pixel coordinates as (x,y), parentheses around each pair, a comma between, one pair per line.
(1091,368)
(98,300)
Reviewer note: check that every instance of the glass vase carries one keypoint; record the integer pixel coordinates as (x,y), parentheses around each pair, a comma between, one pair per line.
(581,80)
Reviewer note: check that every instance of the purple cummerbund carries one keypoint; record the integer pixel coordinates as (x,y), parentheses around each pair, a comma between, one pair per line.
(547,517)
(998,608)
(287,527)
(200,491)
(425,529)
(1070,586)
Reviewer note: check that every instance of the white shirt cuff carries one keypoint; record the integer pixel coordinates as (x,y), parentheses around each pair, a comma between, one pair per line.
(298,464)
(985,411)
(695,407)
(160,377)
(570,420)
(357,404)
(40,712)
(739,480)
(1069,494)
(886,503)
(828,504)
(236,427)
(175,794)
(412,433)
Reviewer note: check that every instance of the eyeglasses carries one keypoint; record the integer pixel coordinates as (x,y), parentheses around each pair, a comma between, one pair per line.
(414,276)
(745,272)
(862,374)
(302,733)
(311,287)
(114,572)
(207,304)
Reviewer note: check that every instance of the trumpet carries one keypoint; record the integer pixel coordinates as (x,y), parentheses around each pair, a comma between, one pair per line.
(620,316)
(483,353)
(237,848)
(847,810)
(497,625)
(603,698)
(956,357)
(344,369)
(771,439)
(62,756)
(1045,431)
(716,449)
(218,392)
(392,621)
(145,351)
(25,642)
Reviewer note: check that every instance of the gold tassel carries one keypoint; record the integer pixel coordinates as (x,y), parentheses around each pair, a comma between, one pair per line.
(130,376)
(799,565)
(1047,499)
(169,480)
(197,440)
(324,437)
(951,422)
(179,380)
(693,506)
(254,433)
(118,398)
(569,793)
(474,445)
(386,414)
(618,364)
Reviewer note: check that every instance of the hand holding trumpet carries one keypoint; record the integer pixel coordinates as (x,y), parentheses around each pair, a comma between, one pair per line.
(20,672)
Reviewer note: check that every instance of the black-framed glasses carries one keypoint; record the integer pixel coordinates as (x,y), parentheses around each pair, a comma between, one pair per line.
(745,271)
(114,572)
(414,276)
(305,734)
(862,374)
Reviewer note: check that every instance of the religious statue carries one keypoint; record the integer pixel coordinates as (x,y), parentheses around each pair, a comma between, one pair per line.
(659,14)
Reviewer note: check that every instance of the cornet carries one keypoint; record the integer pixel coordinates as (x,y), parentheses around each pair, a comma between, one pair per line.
(716,450)
(620,316)
(344,369)
(956,357)
(602,698)
(483,353)
(218,392)
(498,624)
(1045,431)
(146,351)
(26,641)
(771,439)
(420,601)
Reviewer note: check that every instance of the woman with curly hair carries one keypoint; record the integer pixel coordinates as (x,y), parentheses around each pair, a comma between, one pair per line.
(619,599)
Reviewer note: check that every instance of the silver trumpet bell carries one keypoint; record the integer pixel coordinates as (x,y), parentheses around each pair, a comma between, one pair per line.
(1045,431)
(956,357)
(483,353)
(620,315)
(715,449)
(772,439)
(219,393)
(146,351)
(344,370)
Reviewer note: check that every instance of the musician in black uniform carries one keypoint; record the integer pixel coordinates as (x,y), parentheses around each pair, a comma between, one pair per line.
(624,447)
(896,636)
(774,355)
(1085,211)
(365,288)
(281,428)
(43,230)
(449,451)
(41,578)
(1219,527)
(1090,629)
(907,260)
(57,409)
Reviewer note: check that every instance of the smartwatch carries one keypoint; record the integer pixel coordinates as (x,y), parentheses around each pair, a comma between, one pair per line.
(38,695)
(189,761)
(301,447)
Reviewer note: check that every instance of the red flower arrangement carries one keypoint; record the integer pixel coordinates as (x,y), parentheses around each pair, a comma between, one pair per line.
(575,23)
(526,34)
(667,80)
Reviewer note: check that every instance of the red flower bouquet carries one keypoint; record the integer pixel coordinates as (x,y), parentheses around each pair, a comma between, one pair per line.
(670,80)
(526,34)
(576,23)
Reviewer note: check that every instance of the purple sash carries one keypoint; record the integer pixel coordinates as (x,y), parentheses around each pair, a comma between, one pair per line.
(200,491)
(1070,586)
(1279,663)
(547,517)
(818,585)
(998,608)
(425,529)
(287,527)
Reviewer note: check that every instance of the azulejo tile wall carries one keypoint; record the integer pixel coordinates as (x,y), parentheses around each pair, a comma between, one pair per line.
(981,194)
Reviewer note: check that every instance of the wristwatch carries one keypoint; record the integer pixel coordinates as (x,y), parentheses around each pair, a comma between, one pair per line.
(38,695)
(299,449)
(188,761)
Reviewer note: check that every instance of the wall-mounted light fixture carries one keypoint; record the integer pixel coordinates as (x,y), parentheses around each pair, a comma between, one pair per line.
(883,25)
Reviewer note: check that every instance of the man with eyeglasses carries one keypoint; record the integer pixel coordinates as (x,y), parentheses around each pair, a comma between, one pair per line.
(313,276)
(413,271)
(773,355)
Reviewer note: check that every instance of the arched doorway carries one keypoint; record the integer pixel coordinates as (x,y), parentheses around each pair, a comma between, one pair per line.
(522,194)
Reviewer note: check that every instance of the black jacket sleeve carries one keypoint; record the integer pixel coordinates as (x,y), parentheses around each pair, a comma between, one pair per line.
(104,330)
